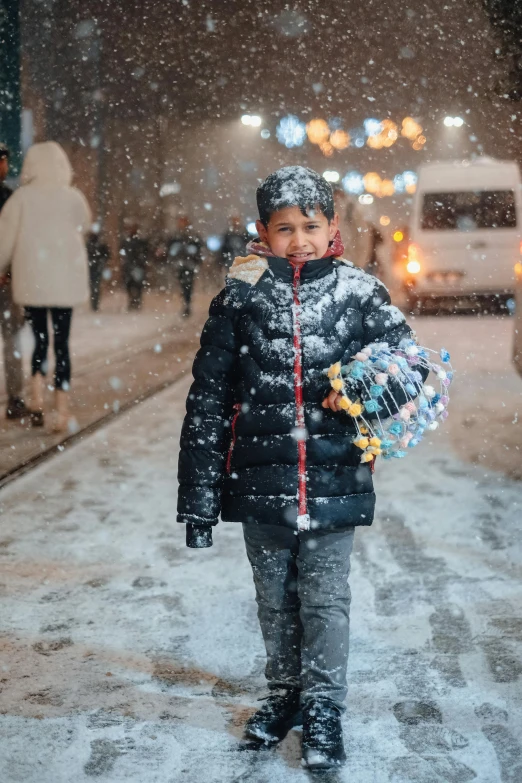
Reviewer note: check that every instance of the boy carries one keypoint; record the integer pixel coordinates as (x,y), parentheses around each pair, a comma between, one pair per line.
(263,443)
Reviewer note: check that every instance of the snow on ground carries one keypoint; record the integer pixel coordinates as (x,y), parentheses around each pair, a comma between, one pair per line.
(127,657)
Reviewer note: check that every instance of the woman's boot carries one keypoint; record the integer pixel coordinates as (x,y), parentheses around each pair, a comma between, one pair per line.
(37,400)
(61,411)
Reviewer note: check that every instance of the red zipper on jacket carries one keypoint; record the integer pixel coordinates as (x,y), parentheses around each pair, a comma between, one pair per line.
(237,408)
(303,517)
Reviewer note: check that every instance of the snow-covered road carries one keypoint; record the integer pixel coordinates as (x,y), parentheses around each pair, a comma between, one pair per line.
(127,657)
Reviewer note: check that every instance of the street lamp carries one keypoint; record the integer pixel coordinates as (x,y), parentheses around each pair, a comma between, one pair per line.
(451,122)
(251,119)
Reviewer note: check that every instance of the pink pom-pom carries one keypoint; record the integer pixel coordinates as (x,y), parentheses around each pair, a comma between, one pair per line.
(393,369)
(381,378)
(404,414)
(446,382)
(366,350)
(361,357)
(410,406)
(444,415)
(444,399)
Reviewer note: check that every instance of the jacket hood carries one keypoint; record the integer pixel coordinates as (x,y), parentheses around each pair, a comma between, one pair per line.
(46,164)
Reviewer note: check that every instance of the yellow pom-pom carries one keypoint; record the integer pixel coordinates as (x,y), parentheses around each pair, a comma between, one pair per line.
(337,385)
(345,403)
(375,442)
(334,370)
(363,430)
(374,450)
(355,409)
(361,443)
(366,457)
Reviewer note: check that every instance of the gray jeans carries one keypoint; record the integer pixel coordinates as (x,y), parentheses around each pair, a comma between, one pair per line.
(11,321)
(303,600)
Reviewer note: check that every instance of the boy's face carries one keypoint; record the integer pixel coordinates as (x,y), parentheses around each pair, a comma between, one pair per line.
(298,237)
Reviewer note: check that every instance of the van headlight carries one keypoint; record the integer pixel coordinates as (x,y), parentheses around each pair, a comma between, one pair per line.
(413,265)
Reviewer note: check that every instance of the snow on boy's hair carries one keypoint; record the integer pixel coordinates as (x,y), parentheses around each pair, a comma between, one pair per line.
(294,186)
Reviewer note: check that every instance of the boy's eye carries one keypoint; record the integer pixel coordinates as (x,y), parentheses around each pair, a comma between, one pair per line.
(313,225)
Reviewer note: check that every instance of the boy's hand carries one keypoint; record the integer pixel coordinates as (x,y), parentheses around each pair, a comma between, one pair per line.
(332,401)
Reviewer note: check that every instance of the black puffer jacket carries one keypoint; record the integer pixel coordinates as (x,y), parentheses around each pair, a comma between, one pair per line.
(256,445)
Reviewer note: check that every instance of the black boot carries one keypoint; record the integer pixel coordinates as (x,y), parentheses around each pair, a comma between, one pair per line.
(322,736)
(16,409)
(277,716)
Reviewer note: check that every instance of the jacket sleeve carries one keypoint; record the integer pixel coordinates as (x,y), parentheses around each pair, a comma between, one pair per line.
(205,435)
(383,322)
(9,225)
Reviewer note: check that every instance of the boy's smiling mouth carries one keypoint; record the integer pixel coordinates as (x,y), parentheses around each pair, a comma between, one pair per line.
(299,256)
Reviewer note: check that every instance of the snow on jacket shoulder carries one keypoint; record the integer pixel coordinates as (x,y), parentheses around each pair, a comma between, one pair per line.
(240,452)
(42,228)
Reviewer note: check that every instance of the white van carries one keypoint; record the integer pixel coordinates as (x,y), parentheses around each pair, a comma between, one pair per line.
(465,232)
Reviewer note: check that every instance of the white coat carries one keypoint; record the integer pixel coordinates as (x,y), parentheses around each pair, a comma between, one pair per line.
(42,228)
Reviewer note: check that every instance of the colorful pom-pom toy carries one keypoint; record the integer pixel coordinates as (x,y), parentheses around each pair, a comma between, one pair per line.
(386,392)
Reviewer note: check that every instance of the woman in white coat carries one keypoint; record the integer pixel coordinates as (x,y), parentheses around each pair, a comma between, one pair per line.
(42,230)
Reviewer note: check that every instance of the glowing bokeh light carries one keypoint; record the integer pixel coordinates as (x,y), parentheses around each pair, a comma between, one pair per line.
(339,139)
(398,236)
(326,148)
(331,176)
(372,127)
(251,228)
(366,199)
(353,183)
(318,131)
(384,220)
(291,131)
(372,182)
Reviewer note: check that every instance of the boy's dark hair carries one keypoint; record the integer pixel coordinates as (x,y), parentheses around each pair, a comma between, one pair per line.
(4,150)
(294,186)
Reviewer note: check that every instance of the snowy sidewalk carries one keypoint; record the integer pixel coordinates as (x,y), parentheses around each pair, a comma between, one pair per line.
(117,357)
(127,657)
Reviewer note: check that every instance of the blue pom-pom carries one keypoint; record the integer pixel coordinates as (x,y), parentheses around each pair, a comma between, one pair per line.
(435,399)
(387,443)
(410,388)
(398,454)
(421,421)
(423,402)
(444,355)
(395,428)
(372,406)
(382,364)
(357,373)
(376,390)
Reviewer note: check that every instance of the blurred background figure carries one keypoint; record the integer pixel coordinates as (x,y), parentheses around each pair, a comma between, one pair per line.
(134,254)
(98,254)
(375,265)
(234,244)
(185,251)
(11,319)
(355,231)
(42,235)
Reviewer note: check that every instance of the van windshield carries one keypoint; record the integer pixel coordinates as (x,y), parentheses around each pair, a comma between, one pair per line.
(468,210)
